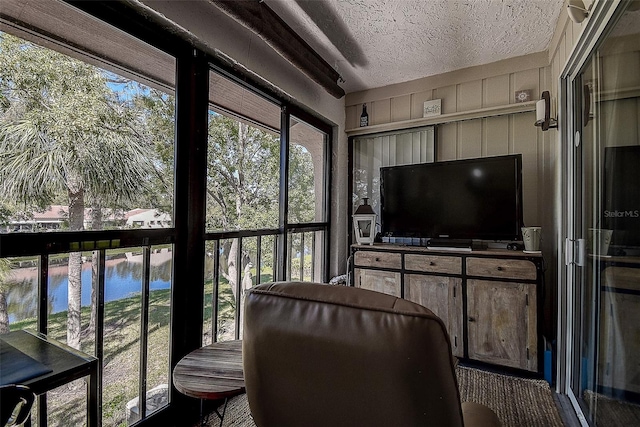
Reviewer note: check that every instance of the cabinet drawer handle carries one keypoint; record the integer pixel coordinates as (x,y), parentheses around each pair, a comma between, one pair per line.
(472,319)
(377,259)
(432,263)
(499,268)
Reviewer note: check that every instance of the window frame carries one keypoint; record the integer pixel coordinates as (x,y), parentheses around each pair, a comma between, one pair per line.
(186,230)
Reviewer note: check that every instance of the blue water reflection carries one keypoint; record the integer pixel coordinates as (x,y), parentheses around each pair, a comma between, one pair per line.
(123,278)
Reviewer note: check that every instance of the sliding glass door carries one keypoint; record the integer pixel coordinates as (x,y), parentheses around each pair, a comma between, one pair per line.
(604,237)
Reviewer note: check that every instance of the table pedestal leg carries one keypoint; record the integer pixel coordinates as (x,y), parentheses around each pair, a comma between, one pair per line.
(220,415)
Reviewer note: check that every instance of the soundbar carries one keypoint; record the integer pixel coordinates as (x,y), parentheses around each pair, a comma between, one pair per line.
(460,244)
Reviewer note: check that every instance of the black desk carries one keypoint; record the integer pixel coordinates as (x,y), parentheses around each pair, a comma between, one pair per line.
(65,364)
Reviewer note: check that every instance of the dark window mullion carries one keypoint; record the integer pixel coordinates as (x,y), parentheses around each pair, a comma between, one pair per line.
(191,125)
(289,254)
(214,292)
(327,207)
(99,332)
(302,257)
(258,258)
(144,329)
(274,261)
(43,315)
(313,256)
(238,286)
(43,293)
(281,264)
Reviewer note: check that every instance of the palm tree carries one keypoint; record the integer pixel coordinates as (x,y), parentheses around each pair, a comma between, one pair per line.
(65,134)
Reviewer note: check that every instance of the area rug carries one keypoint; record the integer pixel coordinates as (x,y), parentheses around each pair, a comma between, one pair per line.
(518,402)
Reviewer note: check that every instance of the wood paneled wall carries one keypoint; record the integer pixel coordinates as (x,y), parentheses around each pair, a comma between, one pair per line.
(466,90)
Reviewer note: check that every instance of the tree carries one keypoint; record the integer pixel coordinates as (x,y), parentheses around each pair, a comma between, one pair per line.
(243,187)
(63,130)
(4,312)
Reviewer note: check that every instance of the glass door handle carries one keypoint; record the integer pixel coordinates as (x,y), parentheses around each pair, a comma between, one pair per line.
(580,252)
(575,252)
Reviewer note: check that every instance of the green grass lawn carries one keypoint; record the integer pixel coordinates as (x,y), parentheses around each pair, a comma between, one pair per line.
(120,382)
(67,404)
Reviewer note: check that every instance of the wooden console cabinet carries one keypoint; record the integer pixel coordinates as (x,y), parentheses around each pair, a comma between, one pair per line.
(489,300)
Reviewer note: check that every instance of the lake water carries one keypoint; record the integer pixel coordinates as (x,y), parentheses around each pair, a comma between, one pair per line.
(123,278)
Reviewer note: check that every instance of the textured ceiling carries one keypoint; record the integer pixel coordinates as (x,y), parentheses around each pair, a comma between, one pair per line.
(374,43)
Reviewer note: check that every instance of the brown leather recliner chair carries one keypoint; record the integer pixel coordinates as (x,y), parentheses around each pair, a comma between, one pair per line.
(318,355)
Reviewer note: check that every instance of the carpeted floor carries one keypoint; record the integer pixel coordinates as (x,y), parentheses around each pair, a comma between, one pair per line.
(612,412)
(518,402)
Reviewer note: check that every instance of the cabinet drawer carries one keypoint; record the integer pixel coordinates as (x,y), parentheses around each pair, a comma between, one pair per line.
(501,268)
(378,259)
(433,263)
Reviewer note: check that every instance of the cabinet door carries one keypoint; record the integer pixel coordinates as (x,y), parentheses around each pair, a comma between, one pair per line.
(501,321)
(386,282)
(442,296)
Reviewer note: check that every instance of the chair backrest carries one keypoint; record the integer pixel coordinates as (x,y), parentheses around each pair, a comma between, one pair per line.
(15,404)
(319,355)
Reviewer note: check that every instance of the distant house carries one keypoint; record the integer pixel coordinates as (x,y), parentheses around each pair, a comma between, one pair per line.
(54,218)
(57,217)
(147,218)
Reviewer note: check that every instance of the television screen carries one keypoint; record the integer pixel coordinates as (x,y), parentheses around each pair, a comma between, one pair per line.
(460,199)
(622,195)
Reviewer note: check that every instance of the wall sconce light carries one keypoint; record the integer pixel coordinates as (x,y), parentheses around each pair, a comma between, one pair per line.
(543,112)
(364,223)
(576,10)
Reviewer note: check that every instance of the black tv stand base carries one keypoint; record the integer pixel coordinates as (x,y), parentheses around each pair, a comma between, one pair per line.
(461,244)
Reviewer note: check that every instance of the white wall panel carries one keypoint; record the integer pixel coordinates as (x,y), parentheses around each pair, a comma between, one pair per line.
(469,96)
(525,141)
(496,91)
(496,136)
(401,108)
(447,142)
(470,139)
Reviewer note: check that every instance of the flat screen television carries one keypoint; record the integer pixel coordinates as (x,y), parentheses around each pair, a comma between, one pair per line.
(622,195)
(461,199)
